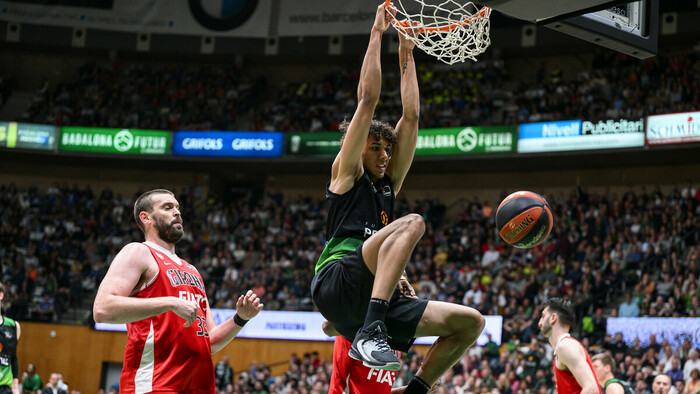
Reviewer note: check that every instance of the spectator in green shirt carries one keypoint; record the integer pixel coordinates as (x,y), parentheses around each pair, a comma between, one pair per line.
(31,381)
(492,350)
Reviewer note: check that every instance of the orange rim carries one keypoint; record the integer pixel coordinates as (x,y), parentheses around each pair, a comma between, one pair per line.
(483,12)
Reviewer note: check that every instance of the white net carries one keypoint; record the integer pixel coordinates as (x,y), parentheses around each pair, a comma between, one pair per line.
(452,31)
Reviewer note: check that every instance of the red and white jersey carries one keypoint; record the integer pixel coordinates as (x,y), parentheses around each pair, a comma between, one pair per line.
(566,381)
(351,373)
(162,354)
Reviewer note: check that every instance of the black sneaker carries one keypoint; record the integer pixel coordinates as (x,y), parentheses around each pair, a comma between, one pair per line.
(370,346)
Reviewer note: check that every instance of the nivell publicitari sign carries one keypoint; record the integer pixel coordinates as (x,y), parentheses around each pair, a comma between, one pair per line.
(444,141)
(572,135)
(117,141)
(228,143)
(307,326)
(27,136)
(677,128)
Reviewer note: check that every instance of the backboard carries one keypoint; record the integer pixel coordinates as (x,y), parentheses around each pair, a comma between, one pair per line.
(628,27)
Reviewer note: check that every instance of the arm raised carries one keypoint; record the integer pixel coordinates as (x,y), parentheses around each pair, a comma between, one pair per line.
(347,167)
(407,126)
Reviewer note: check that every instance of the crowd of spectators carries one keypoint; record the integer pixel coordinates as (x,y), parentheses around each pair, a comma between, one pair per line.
(638,364)
(217,97)
(56,244)
(625,254)
(507,369)
(148,97)
(644,241)
(31,383)
(614,86)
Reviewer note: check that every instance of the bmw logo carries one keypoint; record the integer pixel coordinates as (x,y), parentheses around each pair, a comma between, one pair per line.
(222,15)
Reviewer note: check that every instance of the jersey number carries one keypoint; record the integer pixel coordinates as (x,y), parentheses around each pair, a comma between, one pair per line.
(202,327)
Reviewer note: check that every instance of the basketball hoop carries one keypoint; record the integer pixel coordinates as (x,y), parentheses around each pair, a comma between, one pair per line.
(451,30)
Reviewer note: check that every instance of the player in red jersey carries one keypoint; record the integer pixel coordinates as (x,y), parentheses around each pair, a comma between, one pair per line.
(152,290)
(573,369)
(354,376)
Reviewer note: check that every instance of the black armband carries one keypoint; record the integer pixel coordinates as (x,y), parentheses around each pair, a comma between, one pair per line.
(15,368)
(239,320)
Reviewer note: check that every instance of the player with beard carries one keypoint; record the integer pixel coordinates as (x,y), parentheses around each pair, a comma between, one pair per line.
(573,369)
(162,299)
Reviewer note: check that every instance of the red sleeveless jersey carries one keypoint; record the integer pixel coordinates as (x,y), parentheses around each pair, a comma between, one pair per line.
(162,354)
(566,382)
(353,374)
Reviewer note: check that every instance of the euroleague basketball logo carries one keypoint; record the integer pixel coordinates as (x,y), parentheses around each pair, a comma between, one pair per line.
(384,218)
(222,15)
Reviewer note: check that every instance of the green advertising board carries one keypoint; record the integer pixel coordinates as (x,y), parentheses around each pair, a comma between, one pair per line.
(431,142)
(466,140)
(27,136)
(313,144)
(117,141)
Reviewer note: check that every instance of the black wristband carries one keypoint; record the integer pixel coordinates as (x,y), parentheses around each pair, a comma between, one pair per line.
(239,320)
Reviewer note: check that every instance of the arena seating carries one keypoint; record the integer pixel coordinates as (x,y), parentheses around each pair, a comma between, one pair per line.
(213,97)
(57,243)
(643,241)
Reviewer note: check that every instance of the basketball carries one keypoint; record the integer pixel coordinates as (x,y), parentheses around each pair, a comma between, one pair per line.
(524,219)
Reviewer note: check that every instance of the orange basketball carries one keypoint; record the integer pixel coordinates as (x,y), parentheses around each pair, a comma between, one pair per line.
(524,219)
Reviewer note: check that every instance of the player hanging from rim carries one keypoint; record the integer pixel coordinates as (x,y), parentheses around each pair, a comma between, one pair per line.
(151,289)
(363,262)
(572,365)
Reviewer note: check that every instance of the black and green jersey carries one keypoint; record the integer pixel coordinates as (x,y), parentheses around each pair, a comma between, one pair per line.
(625,386)
(8,349)
(355,216)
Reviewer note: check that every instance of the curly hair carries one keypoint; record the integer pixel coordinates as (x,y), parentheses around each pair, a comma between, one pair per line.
(377,129)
